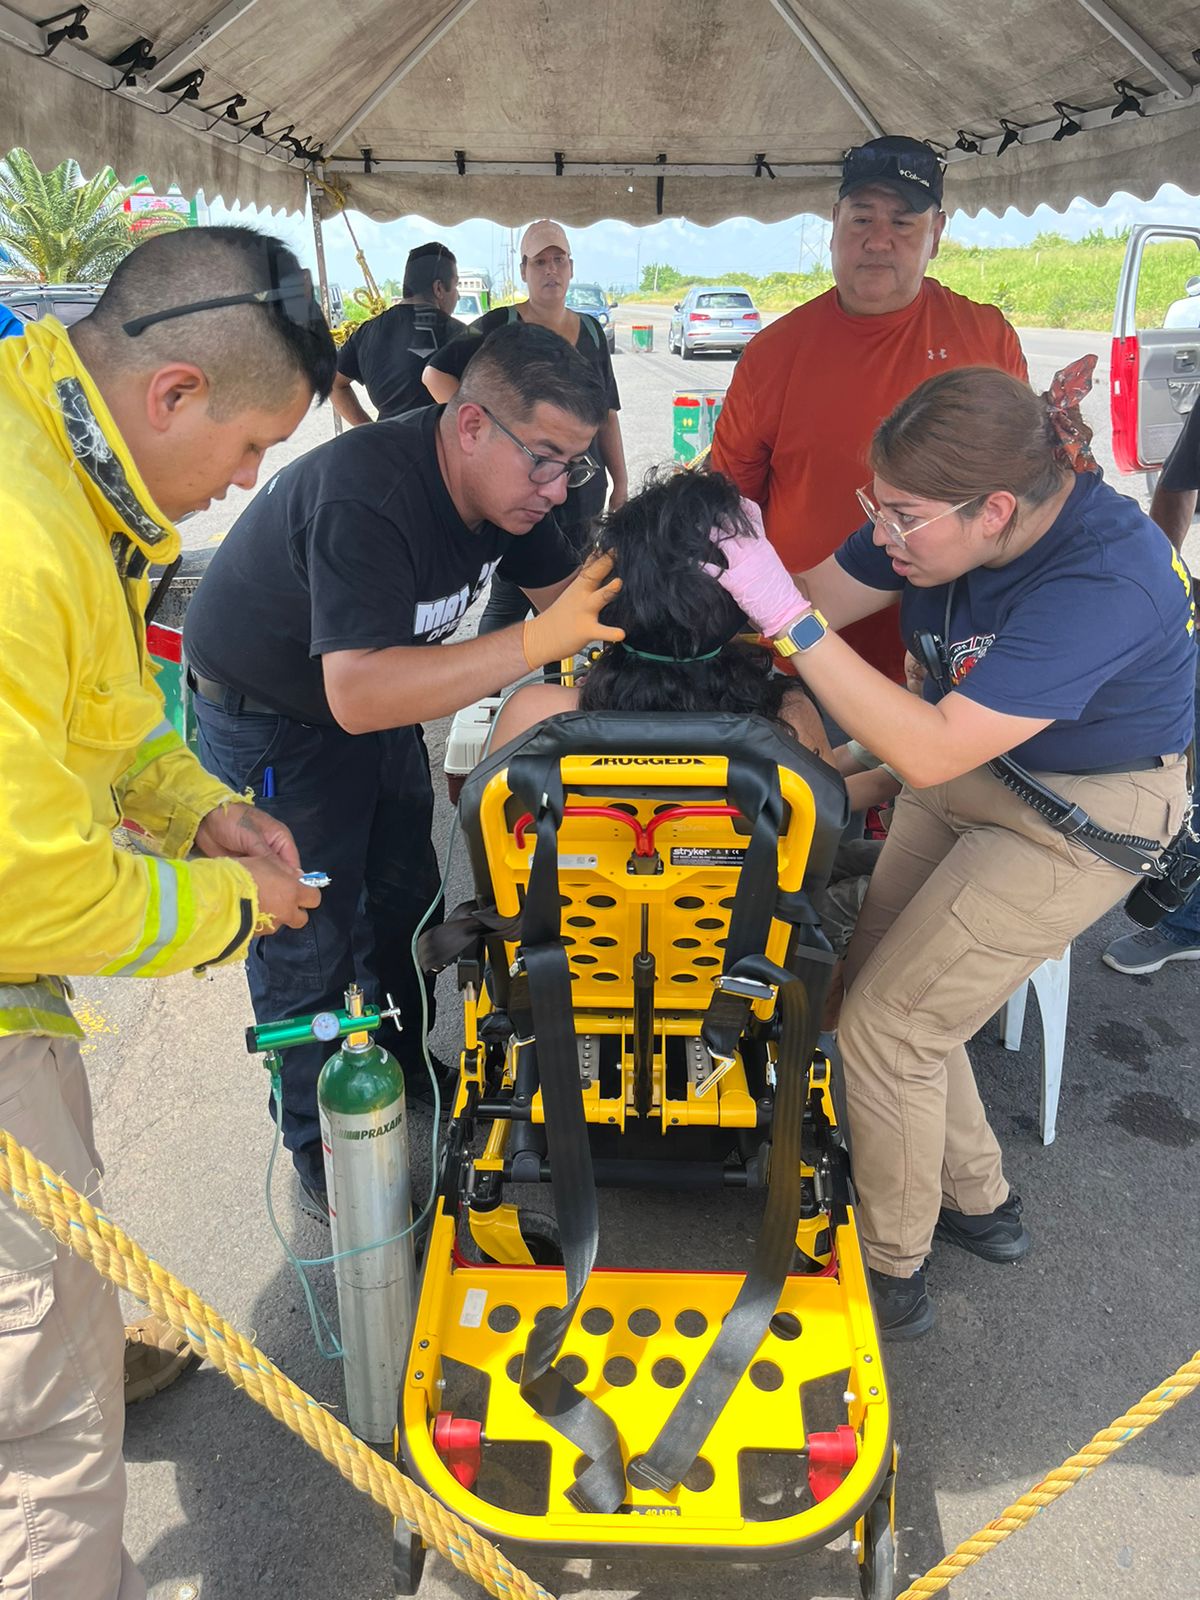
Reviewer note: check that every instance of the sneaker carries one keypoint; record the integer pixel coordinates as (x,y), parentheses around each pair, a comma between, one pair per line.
(902,1305)
(314,1201)
(155,1355)
(1146,951)
(998,1235)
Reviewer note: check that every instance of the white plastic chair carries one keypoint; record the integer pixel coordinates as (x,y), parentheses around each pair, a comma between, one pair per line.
(1052,986)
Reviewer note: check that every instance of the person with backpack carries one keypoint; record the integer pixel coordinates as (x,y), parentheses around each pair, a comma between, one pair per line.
(387,353)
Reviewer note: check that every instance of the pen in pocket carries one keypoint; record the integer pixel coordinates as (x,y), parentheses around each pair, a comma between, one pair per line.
(268,783)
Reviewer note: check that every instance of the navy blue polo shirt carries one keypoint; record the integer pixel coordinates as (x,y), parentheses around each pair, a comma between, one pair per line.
(1093,626)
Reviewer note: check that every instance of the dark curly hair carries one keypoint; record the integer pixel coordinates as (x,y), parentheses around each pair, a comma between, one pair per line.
(668,606)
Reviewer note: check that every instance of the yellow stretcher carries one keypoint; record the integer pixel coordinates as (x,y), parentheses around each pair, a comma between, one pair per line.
(643,975)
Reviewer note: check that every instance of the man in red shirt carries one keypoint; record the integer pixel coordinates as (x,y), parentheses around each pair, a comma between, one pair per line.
(811,389)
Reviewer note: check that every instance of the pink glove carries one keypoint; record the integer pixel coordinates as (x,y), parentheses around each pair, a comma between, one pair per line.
(757,579)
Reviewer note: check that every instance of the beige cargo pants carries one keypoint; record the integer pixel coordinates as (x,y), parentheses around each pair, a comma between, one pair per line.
(972,892)
(62,1401)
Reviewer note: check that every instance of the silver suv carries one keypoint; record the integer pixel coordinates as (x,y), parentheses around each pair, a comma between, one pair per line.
(715,317)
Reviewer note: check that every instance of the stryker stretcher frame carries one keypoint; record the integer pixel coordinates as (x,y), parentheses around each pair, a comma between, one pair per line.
(643,975)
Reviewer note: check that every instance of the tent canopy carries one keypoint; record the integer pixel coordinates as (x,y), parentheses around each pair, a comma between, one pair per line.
(628,109)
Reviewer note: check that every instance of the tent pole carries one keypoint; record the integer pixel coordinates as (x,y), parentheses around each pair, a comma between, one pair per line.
(836,77)
(314,200)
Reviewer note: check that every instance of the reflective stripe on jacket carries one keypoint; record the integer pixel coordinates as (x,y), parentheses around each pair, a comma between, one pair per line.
(83,738)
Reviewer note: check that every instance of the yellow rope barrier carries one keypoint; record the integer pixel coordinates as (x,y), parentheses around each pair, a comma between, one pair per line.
(1148,1409)
(75,1223)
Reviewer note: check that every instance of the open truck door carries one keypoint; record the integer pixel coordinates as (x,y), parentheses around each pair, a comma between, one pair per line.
(1155,368)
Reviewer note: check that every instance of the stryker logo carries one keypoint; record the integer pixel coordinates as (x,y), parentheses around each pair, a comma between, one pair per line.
(647,761)
(371,1133)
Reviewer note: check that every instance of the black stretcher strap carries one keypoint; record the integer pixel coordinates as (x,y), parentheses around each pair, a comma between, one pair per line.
(682,1437)
(466,928)
(755,791)
(541,1006)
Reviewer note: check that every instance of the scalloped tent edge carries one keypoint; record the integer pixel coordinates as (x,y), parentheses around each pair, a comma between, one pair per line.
(494,154)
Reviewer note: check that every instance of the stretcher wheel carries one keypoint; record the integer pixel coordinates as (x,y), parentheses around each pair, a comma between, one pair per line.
(539,1231)
(541,1234)
(408,1559)
(877,1565)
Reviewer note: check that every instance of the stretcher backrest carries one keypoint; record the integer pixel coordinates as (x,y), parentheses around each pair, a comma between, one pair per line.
(647,842)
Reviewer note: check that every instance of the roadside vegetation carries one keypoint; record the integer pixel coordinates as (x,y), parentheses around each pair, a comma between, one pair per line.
(1051,283)
(58,227)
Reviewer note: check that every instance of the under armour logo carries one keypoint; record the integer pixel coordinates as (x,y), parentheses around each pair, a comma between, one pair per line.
(936,355)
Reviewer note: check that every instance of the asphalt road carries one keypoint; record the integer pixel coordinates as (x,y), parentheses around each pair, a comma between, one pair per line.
(1025,1364)
(649,382)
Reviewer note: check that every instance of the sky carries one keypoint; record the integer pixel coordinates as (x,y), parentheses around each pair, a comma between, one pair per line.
(613,253)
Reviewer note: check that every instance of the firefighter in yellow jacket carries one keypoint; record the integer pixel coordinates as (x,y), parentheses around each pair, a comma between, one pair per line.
(205,349)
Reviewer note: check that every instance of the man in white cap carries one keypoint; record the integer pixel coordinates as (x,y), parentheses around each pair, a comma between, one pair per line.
(546,268)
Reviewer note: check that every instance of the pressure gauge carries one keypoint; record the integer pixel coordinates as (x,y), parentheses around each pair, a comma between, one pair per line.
(325,1026)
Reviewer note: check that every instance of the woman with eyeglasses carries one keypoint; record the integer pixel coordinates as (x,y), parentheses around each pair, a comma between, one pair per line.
(1056,624)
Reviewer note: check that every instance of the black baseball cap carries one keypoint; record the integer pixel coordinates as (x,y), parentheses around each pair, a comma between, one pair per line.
(904,164)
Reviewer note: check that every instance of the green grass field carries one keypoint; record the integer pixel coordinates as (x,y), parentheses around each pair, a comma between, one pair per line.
(1051,283)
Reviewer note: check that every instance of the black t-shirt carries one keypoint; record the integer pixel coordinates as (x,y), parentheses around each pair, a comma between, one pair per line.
(355,546)
(581,505)
(388,354)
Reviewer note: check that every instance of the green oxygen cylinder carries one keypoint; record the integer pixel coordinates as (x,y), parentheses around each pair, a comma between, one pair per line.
(360,1097)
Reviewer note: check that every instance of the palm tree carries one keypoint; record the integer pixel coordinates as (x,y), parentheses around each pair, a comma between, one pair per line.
(58,228)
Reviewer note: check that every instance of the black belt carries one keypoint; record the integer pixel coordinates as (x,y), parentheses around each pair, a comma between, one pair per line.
(1140,764)
(228,699)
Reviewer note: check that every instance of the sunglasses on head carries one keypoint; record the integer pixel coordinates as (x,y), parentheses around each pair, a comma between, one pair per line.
(864,161)
(292,298)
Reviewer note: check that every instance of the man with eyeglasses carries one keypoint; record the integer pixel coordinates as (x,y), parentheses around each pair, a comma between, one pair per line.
(319,641)
(810,389)
(205,349)
(546,267)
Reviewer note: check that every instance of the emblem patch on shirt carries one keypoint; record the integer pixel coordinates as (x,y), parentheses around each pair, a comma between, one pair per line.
(434,620)
(968,653)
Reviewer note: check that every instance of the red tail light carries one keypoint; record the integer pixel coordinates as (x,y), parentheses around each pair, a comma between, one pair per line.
(699,316)
(750,316)
(1123,403)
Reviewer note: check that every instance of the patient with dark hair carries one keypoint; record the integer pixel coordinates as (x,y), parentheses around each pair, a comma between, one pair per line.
(681,650)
